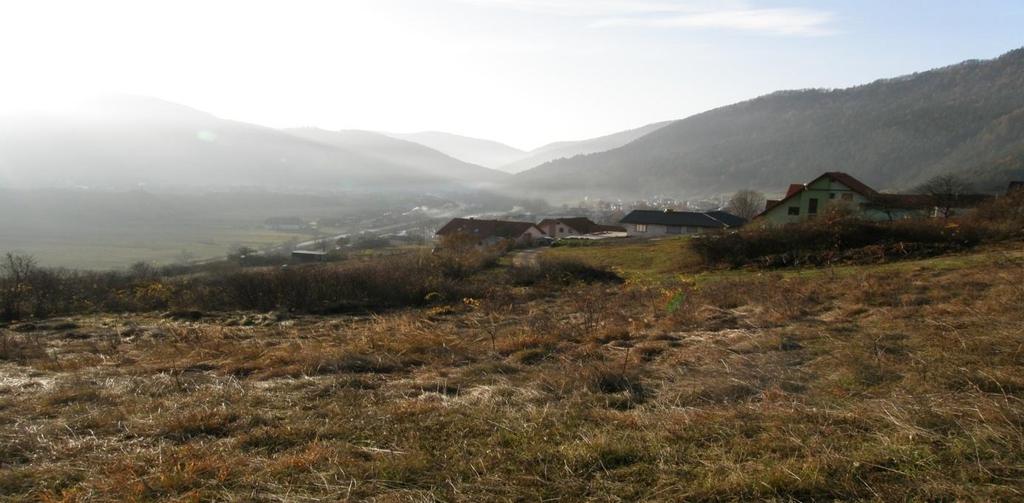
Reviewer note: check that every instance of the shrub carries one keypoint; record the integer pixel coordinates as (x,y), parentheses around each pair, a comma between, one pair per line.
(826,241)
(367,285)
(459,257)
(378,283)
(1000,218)
(560,271)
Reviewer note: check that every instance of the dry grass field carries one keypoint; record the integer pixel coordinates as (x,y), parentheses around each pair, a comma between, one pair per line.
(874,382)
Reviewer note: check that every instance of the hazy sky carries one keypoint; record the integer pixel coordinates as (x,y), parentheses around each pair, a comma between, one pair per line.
(525,72)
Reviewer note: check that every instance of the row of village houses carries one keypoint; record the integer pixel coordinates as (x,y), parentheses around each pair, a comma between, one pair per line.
(801,202)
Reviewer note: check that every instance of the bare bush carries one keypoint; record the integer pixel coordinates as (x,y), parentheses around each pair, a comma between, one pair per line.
(746,204)
(830,240)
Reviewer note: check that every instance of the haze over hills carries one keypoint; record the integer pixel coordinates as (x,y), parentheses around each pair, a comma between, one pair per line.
(127,141)
(402,153)
(567,149)
(511,160)
(893,134)
(477,151)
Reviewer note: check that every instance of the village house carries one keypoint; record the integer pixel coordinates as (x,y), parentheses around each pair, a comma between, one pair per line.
(486,233)
(807,201)
(574,226)
(652,223)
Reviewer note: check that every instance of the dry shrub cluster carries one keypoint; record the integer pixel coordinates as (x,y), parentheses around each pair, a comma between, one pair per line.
(838,237)
(826,241)
(1002,218)
(560,271)
(29,291)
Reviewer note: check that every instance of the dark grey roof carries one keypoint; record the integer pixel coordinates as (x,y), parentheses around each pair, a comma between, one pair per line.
(717,219)
(727,218)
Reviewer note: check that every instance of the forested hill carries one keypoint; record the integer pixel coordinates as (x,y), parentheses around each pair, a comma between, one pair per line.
(892,134)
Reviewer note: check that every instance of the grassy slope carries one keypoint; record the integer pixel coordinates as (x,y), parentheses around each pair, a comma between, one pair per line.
(658,260)
(162,246)
(896,382)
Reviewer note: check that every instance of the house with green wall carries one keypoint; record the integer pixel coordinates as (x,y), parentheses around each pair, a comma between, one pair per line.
(806,201)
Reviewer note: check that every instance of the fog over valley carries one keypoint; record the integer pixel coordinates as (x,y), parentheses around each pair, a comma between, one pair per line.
(144,167)
(511,250)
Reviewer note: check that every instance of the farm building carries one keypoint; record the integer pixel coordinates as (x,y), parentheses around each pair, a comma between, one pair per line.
(806,201)
(491,232)
(651,223)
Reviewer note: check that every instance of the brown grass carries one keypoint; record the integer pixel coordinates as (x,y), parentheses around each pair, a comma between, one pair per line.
(891,383)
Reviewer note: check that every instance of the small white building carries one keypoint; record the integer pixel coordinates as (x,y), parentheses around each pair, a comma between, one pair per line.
(574,226)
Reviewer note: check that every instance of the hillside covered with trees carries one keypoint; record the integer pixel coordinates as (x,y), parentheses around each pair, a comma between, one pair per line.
(892,134)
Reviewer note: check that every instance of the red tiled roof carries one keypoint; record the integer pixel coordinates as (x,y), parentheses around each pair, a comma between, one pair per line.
(794,188)
(485,228)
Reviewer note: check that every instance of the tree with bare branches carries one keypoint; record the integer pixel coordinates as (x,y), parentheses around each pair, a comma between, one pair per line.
(746,204)
(14,284)
(947,192)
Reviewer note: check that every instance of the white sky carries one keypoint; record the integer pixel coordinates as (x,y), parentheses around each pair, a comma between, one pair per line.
(525,72)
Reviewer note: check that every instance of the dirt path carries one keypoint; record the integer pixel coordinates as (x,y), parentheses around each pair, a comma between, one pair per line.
(526,258)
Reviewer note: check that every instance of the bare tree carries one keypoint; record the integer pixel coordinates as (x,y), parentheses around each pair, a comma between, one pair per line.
(746,204)
(947,192)
(14,284)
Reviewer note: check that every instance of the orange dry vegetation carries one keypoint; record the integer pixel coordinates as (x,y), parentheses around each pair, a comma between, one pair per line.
(892,382)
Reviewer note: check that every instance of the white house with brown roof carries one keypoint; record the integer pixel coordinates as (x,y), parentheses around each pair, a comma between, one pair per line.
(574,226)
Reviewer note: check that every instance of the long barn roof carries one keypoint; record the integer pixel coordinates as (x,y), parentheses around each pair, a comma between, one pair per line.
(485,228)
(711,219)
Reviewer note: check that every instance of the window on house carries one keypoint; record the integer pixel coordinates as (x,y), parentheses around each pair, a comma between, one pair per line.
(794,210)
(641,227)
(812,206)
(832,195)
(847,197)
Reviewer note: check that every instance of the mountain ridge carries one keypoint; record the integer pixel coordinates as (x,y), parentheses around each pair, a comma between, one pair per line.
(401,152)
(129,141)
(892,133)
(568,149)
(482,152)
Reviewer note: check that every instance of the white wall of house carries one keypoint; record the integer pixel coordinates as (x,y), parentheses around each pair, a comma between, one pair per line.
(559,230)
(653,230)
(814,201)
(530,235)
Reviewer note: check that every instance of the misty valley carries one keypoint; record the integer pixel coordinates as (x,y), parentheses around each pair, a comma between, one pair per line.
(299,251)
